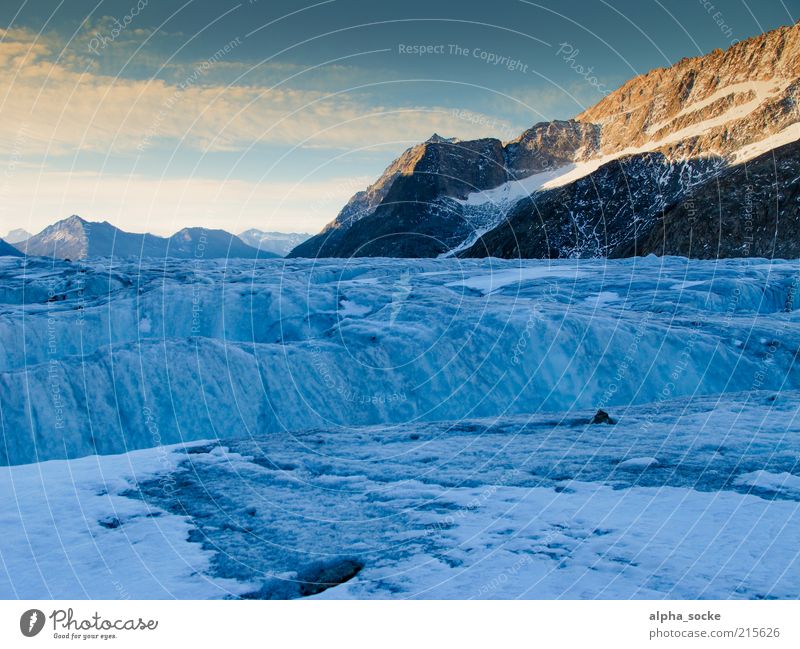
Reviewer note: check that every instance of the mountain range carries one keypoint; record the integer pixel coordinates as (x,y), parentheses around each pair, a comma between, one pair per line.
(279,243)
(76,238)
(17,236)
(698,159)
(7,250)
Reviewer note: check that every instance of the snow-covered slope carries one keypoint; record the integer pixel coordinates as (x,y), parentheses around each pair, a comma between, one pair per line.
(688,498)
(95,358)
(279,243)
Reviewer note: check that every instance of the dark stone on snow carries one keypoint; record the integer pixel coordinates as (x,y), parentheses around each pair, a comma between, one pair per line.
(602,417)
(110,523)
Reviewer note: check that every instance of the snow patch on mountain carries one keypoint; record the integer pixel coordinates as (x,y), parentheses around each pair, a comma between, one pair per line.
(762,90)
(786,136)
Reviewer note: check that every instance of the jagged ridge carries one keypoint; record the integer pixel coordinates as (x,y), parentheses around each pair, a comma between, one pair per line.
(76,238)
(705,113)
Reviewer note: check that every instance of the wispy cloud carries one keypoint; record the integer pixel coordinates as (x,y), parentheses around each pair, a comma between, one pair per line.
(64,108)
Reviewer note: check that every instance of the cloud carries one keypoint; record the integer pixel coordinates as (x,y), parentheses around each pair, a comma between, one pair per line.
(52,107)
(57,100)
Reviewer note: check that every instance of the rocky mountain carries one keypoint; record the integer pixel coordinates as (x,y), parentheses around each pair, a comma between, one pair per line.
(279,243)
(17,235)
(400,215)
(644,204)
(7,250)
(196,243)
(76,238)
(609,181)
(766,223)
(720,102)
(603,214)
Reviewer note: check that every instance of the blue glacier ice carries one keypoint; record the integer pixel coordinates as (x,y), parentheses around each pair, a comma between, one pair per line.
(100,359)
(400,429)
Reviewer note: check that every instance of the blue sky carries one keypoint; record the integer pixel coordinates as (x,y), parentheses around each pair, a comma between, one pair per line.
(155,115)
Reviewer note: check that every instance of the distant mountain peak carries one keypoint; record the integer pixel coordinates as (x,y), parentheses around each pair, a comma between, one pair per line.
(17,235)
(73,221)
(278,243)
(436,138)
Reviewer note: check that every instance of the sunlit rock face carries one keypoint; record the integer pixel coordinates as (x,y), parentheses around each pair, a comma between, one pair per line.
(716,103)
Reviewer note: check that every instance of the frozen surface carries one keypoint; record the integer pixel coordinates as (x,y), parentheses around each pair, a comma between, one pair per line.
(542,506)
(777,483)
(99,359)
(400,429)
(65,532)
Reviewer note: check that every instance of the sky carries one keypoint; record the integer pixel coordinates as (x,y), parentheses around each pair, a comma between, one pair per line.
(158,114)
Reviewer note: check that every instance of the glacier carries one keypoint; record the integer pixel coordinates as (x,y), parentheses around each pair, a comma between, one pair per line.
(102,358)
(377,428)
(535,507)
